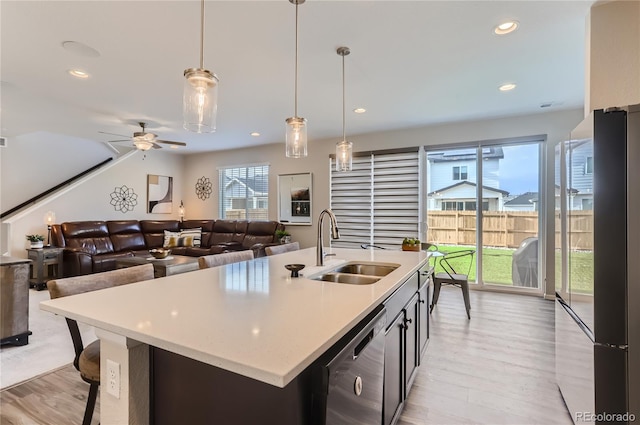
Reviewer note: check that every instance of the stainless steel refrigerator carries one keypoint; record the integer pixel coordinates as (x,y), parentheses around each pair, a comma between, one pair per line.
(597,317)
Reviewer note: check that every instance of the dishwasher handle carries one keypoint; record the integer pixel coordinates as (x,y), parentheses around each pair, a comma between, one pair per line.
(362,344)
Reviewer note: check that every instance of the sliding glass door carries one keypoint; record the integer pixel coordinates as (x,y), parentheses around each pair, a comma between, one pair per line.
(487,198)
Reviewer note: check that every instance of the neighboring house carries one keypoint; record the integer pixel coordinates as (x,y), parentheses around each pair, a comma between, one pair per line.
(452,179)
(579,159)
(528,201)
(462,197)
(246,193)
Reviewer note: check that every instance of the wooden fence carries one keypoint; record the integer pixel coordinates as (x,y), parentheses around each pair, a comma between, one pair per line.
(254,214)
(503,228)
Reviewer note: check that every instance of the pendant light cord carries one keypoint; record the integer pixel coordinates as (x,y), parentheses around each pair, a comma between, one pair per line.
(295,109)
(344,137)
(202,35)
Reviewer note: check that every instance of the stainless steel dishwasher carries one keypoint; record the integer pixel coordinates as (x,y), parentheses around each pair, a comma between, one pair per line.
(349,378)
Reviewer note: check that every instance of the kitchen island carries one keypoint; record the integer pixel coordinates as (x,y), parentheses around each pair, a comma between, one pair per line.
(250,319)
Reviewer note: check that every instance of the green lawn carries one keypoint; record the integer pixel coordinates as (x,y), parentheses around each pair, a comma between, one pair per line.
(497,266)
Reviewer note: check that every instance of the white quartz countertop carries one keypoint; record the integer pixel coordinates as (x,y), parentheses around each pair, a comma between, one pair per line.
(250,318)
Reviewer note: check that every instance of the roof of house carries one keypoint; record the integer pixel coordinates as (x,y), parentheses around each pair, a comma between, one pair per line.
(257,184)
(504,192)
(526,198)
(465,154)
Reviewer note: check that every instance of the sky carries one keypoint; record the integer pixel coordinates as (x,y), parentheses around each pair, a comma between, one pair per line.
(519,169)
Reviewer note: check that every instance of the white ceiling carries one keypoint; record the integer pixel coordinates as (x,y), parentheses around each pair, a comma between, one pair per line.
(412,63)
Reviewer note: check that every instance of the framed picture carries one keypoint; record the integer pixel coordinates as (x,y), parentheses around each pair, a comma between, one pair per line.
(295,199)
(159,194)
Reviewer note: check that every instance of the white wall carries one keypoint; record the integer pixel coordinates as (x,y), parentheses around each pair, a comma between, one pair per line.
(556,125)
(91,200)
(35,162)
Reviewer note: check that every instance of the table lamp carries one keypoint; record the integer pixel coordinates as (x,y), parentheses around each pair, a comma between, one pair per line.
(49,220)
(181,211)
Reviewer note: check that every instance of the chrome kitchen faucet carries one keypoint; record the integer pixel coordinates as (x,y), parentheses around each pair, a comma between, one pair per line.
(334,234)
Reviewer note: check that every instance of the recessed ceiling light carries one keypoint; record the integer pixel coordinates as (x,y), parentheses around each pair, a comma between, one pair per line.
(78,73)
(255,134)
(173,147)
(507,87)
(359,110)
(506,27)
(80,49)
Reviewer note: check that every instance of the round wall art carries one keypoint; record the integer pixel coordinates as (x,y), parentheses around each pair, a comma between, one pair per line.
(124,199)
(204,188)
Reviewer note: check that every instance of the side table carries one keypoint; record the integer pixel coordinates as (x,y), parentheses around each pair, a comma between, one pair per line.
(46,265)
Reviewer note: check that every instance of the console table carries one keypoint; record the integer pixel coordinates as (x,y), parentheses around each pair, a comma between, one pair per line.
(14,296)
(47,265)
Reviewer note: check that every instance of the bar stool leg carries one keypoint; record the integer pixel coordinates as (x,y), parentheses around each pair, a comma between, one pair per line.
(465,294)
(436,293)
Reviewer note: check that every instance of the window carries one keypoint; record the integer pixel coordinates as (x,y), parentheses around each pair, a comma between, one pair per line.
(378,201)
(244,193)
(460,173)
(588,165)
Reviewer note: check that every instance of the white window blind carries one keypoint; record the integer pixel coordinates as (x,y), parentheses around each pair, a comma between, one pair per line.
(244,193)
(378,201)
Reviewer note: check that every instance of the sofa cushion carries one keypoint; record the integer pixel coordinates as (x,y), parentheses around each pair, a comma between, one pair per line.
(153,231)
(87,236)
(223,231)
(259,232)
(126,235)
(106,262)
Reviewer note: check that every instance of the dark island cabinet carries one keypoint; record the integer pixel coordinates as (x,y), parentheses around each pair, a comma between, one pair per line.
(405,341)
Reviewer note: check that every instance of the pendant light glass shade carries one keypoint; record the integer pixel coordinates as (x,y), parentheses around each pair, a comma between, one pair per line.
(200,96)
(344,149)
(296,137)
(344,155)
(296,142)
(200,100)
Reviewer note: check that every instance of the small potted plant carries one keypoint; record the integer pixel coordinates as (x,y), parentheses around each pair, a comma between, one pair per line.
(283,236)
(37,241)
(410,244)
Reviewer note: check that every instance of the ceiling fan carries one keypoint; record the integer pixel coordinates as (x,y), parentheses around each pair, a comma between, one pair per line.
(144,141)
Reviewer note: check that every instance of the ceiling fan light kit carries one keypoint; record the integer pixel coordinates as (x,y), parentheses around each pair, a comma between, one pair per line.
(296,136)
(344,148)
(200,96)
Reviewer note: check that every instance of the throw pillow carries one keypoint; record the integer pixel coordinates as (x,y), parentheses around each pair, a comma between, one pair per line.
(170,239)
(195,235)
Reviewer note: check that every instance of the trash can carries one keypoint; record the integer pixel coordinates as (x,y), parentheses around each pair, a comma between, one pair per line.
(524,264)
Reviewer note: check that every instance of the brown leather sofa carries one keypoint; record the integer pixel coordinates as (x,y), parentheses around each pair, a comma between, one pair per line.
(94,246)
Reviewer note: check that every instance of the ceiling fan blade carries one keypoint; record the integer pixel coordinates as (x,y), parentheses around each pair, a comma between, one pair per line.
(169,142)
(123,140)
(155,145)
(113,134)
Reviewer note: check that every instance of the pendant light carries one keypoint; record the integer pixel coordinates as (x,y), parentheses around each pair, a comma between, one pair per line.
(344,149)
(296,138)
(200,97)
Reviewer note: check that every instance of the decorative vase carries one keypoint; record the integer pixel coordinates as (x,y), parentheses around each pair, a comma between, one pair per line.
(410,247)
(38,244)
(285,239)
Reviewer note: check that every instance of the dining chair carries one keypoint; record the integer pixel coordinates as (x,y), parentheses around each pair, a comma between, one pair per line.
(450,276)
(87,359)
(214,260)
(280,249)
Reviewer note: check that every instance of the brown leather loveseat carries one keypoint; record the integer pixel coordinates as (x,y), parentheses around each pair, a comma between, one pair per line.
(94,246)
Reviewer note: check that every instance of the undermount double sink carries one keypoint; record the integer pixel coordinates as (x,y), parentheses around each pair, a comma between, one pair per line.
(358,273)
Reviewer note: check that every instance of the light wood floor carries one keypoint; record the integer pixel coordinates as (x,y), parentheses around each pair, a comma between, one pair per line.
(497,368)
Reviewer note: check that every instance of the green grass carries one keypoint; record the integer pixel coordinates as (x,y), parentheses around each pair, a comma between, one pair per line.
(497,267)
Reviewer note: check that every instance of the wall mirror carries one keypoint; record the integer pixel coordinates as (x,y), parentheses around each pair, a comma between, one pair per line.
(294,199)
